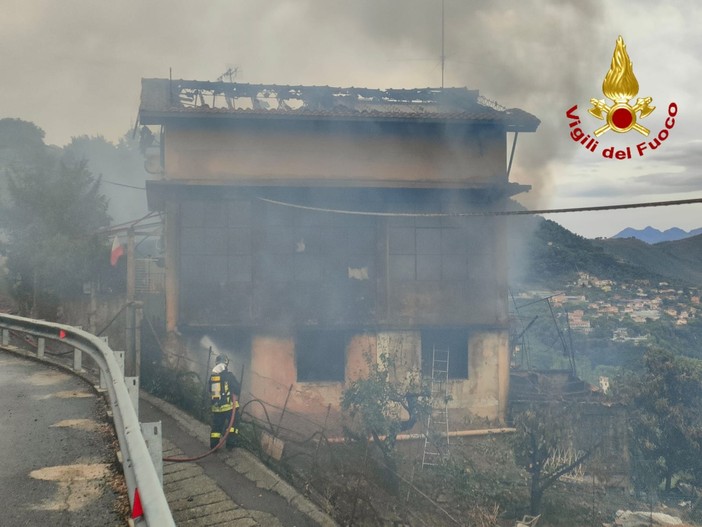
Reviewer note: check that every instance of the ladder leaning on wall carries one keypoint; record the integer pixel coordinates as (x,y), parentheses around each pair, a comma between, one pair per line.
(436,438)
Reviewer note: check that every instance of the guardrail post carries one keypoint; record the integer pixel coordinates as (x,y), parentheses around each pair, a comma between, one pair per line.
(103,382)
(5,337)
(41,346)
(119,355)
(133,390)
(154,443)
(77,359)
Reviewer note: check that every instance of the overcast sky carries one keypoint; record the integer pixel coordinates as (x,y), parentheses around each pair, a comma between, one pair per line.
(74,67)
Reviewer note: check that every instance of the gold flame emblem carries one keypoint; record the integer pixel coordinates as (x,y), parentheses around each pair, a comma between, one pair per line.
(620,85)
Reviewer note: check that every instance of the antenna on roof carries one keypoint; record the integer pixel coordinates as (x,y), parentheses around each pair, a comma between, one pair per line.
(442,58)
(443,55)
(231,73)
(170,85)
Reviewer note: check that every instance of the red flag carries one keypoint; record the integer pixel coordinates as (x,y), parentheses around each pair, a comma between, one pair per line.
(117,251)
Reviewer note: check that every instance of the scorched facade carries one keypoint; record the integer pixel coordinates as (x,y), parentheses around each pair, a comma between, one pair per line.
(318,226)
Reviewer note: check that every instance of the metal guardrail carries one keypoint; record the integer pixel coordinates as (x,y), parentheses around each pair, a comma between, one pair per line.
(143,482)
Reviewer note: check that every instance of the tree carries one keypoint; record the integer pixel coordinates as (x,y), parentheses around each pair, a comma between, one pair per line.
(540,431)
(378,401)
(21,148)
(21,143)
(121,169)
(665,408)
(51,239)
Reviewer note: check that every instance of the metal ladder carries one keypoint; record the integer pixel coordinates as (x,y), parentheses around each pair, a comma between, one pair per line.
(436,438)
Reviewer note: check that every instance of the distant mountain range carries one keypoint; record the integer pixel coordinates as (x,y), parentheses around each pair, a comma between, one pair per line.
(651,235)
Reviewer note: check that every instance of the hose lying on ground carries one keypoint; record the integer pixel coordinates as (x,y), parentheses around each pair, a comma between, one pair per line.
(218,445)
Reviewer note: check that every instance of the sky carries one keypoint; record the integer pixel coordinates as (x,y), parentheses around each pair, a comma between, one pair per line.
(74,68)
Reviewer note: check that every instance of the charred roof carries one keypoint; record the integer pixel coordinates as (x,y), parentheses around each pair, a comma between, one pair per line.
(165,99)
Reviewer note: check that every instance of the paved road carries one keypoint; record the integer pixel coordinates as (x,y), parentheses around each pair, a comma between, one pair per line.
(56,453)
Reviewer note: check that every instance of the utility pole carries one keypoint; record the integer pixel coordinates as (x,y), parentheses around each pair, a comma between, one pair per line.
(138,318)
(130,325)
(92,315)
(443,55)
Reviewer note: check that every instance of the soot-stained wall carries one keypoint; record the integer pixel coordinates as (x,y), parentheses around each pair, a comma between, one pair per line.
(274,376)
(358,154)
(243,262)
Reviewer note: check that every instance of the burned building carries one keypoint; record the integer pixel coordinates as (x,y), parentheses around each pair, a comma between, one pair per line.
(320,225)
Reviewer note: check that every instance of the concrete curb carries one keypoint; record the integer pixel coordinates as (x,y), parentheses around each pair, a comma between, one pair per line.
(244,462)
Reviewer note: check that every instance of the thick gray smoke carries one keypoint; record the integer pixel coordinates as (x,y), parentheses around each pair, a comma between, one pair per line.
(531,54)
(540,56)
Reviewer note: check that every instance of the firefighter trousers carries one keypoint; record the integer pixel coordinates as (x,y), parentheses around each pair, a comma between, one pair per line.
(218,427)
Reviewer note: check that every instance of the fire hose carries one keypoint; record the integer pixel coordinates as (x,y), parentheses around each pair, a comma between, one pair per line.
(221,442)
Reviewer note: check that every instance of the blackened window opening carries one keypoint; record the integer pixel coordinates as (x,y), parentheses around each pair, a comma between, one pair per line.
(453,340)
(321,355)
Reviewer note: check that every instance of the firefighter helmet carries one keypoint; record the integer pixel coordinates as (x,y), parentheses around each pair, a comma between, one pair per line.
(222,359)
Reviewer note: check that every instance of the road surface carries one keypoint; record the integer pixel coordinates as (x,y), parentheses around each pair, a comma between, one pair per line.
(57,459)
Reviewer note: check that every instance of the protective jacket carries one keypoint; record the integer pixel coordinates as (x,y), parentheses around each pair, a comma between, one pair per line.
(223,389)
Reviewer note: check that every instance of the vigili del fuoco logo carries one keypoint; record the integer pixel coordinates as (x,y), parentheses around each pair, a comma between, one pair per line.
(620,86)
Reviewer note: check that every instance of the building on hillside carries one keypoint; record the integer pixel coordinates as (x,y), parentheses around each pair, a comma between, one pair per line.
(309,227)
(577,323)
(608,309)
(640,316)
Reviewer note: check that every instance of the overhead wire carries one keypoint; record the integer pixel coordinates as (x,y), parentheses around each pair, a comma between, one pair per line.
(486,213)
(128,224)
(122,184)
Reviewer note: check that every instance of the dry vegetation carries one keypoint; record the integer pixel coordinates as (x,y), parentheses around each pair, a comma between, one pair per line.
(480,487)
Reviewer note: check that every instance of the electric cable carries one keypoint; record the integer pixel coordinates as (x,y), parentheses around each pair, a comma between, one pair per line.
(122,184)
(486,213)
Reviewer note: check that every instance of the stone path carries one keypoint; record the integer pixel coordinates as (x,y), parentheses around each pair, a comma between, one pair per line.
(231,488)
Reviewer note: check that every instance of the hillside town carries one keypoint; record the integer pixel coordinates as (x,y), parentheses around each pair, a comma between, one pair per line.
(590,298)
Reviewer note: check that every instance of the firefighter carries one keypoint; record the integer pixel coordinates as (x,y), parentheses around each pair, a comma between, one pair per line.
(224,388)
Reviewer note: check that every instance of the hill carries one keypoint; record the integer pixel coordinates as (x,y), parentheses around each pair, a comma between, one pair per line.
(544,252)
(620,296)
(679,260)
